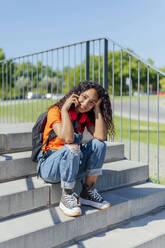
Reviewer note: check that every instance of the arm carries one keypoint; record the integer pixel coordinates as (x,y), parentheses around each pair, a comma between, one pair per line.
(100,127)
(64,130)
(99,131)
(67,131)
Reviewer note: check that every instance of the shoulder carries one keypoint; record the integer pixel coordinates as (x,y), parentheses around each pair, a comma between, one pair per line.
(54,115)
(54,109)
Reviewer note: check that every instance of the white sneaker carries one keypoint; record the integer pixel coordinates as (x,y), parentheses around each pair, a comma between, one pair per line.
(69,203)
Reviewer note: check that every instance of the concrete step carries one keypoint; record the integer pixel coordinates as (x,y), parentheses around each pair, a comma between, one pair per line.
(115,175)
(16,165)
(50,228)
(14,142)
(145,232)
(15,136)
(23,195)
(25,127)
(31,193)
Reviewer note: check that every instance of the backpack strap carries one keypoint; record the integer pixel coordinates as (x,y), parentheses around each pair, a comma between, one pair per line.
(52,135)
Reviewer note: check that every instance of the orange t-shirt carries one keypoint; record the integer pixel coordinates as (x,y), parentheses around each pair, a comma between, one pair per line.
(54,116)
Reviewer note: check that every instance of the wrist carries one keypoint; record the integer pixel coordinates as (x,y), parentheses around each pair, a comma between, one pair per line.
(97,110)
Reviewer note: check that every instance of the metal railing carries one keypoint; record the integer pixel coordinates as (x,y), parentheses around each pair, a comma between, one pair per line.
(155,75)
(31,83)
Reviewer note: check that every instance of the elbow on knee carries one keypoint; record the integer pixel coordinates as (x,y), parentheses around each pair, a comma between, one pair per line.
(69,141)
(101,138)
(75,148)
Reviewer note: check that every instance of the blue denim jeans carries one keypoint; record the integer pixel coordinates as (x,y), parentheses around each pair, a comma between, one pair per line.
(67,166)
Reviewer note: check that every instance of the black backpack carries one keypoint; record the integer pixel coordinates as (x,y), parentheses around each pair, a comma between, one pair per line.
(37,136)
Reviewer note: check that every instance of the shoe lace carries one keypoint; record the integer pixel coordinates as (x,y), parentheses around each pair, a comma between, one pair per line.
(94,194)
(72,199)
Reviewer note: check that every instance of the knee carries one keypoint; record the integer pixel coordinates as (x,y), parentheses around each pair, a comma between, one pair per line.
(74,148)
(101,145)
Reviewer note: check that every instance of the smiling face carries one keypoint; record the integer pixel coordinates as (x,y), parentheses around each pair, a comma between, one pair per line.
(87,100)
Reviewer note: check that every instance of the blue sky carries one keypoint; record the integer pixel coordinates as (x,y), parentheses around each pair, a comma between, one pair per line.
(30,26)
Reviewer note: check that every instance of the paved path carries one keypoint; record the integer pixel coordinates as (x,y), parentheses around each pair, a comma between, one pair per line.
(143,147)
(143,110)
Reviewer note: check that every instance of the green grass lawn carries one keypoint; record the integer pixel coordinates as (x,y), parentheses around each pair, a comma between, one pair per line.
(143,131)
(161,180)
(29,111)
(142,98)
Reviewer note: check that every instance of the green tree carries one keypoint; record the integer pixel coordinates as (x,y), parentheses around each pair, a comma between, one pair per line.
(23,77)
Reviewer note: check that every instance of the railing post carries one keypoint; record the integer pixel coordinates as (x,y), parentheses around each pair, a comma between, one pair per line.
(158,170)
(105,75)
(87,61)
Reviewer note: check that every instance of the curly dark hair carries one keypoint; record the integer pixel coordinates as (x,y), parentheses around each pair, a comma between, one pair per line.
(105,106)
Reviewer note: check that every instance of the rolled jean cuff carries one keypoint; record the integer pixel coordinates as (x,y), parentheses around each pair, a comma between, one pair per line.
(94,172)
(67,185)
